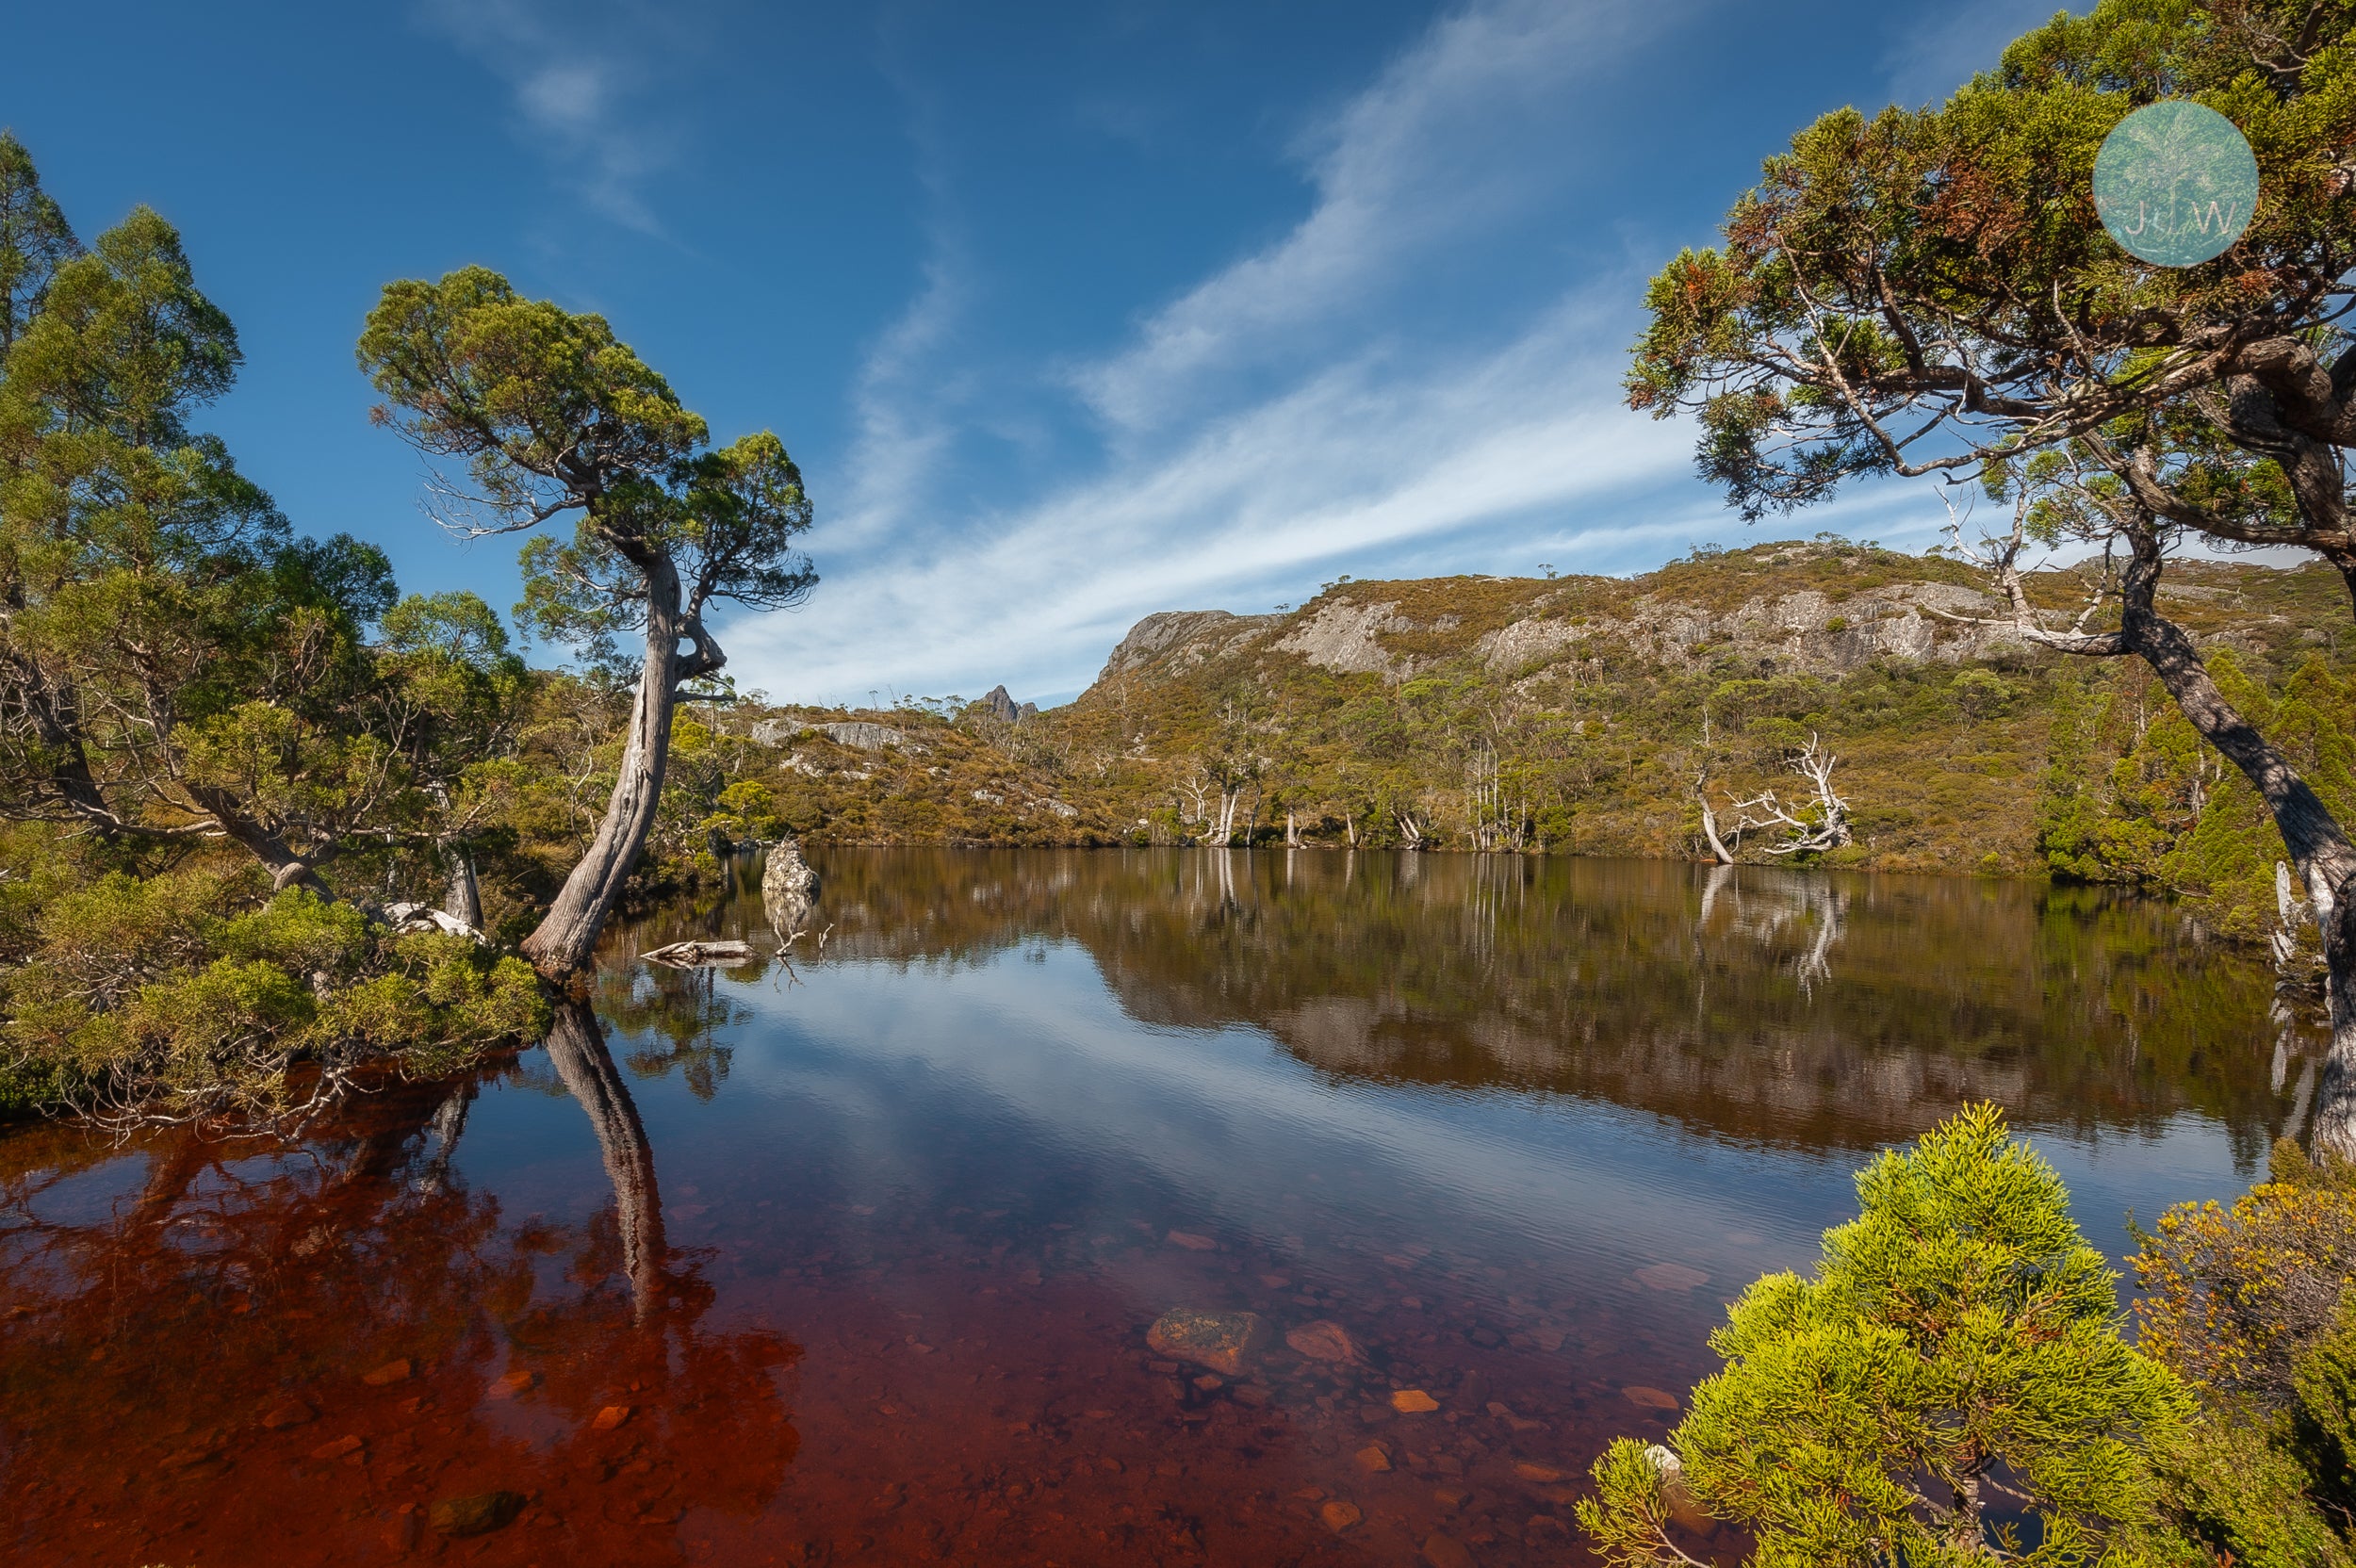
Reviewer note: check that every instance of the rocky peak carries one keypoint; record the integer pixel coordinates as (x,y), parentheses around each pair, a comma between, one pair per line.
(1182,639)
(1001,703)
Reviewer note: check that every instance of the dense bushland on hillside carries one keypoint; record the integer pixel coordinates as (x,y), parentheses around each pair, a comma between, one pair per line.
(1591,715)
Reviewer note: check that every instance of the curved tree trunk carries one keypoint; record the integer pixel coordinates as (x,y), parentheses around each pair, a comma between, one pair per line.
(576,1050)
(1710,831)
(287,868)
(560,945)
(2319,846)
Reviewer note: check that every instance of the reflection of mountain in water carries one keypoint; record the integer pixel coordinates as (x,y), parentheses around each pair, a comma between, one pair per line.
(1751,1002)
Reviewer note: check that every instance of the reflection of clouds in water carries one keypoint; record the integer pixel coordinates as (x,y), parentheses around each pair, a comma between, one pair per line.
(1042,1058)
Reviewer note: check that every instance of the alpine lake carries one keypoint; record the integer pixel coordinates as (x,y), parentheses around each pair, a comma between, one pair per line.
(854,1252)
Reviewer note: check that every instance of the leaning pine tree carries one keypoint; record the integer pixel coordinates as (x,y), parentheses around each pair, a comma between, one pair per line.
(1932,293)
(551,414)
(1950,1388)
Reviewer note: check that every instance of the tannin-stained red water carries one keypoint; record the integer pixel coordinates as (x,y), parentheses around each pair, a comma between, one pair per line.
(855,1260)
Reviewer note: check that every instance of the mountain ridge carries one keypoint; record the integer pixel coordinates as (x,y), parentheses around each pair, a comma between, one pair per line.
(1587,714)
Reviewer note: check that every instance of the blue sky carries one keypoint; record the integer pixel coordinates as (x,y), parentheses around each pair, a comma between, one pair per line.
(1071,313)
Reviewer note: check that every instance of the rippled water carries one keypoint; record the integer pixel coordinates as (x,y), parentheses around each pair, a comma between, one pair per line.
(852,1258)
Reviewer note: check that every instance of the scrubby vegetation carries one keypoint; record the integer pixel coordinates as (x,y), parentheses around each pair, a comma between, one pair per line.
(230,755)
(1588,715)
(2253,1307)
(1952,1384)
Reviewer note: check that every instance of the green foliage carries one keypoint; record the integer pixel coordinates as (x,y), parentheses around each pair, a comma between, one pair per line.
(1960,1340)
(196,990)
(2131,795)
(2233,1297)
(1882,263)
(177,666)
(2252,1306)
(551,413)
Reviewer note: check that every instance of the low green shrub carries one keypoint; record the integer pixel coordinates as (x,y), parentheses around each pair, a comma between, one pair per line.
(1953,1373)
(2251,1306)
(197,989)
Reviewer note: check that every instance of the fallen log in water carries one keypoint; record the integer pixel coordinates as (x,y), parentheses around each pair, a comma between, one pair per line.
(692,953)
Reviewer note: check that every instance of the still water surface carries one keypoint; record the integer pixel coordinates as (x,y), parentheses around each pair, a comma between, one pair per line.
(851,1258)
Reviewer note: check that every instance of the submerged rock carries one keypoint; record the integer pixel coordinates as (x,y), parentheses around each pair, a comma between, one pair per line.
(1324,1340)
(480,1514)
(1446,1551)
(1339,1516)
(1671,1276)
(1222,1341)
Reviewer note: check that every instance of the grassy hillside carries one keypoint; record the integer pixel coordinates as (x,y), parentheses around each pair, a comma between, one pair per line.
(1579,714)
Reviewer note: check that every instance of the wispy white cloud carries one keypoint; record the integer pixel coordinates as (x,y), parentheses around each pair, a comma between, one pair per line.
(903,407)
(1283,418)
(582,76)
(1365,456)
(905,402)
(1436,147)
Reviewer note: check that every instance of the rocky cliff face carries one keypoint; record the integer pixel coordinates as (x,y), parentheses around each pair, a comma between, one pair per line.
(1176,641)
(1572,713)
(1547,633)
(1798,609)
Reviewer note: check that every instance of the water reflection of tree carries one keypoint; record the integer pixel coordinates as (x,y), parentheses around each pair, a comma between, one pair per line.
(1815,1007)
(148,1337)
(673,1018)
(1792,919)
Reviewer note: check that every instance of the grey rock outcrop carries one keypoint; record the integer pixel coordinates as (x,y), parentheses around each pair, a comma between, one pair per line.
(1341,637)
(858,734)
(789,888)
(1806,631)
(862,735)
(1184,638)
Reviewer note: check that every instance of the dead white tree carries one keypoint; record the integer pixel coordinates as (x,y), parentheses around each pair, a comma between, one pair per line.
(1809,827)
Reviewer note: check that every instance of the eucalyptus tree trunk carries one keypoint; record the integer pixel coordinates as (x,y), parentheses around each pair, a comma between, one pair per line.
(560,945)
(463,898)
(576,1050)
(2319,847)
(1710,825)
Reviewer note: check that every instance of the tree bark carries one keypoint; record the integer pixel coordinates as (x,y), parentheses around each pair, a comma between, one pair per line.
(563,942)
(287,867)
(2319,848)
(577,1051)
(464,900)
(1709,831)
